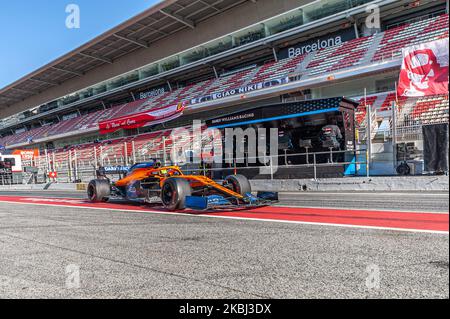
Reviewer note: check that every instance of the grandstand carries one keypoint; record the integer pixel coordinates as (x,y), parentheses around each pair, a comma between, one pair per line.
(202,73)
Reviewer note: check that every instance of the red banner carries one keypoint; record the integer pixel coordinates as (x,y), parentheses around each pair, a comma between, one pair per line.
(424,69)
(142,119)
(27,154)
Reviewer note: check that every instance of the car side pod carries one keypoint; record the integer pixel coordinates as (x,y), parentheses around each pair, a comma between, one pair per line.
(207,202)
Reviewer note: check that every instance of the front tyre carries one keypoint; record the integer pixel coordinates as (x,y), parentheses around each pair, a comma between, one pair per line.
(174,192)
(239,184)
(99,190)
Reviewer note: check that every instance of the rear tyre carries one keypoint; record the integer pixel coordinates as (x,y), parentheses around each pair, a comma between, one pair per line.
(174,192)
(239,184)
(403,169)
(99,190)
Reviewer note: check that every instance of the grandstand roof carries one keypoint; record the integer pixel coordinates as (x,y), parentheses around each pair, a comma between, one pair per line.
(141,31)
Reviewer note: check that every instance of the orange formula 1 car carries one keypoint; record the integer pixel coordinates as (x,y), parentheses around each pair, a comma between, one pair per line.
(150,183)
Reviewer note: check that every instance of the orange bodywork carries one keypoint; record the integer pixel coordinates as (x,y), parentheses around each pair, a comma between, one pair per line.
(163,173)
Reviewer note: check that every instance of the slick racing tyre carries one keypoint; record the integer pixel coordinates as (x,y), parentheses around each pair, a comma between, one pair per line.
(239,184)
(99,190)
(174,192)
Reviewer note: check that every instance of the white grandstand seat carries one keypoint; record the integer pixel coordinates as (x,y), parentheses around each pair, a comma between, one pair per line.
(433,109)
(339,57)
(390,98)
(229,82)
(425,110)
(361,111)
(275,70)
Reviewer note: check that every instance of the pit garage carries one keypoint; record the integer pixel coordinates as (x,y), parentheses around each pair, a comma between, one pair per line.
(315,138)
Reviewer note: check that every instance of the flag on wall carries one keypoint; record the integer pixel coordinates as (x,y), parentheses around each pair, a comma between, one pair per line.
(424,69)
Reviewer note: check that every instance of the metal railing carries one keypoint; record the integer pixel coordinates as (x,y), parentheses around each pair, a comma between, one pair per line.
(311,163)
(10,179)
(285,163)
(389,56)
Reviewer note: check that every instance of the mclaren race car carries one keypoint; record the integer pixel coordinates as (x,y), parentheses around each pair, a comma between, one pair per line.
(150,183)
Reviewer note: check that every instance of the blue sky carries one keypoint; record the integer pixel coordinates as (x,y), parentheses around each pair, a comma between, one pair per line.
(33,32)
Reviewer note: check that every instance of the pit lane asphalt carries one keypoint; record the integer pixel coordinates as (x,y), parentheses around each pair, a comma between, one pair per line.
(139,255)
(402,201)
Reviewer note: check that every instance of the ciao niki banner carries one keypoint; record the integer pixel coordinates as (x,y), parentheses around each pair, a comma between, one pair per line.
(239,91)
(151,117)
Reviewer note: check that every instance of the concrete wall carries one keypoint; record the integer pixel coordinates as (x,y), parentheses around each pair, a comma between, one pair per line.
(234,19)
(353,87)
(382,184)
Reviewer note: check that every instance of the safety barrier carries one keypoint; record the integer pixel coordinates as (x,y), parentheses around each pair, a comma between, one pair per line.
(274,167)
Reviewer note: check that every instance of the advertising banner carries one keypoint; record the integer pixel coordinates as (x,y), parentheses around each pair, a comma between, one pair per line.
(27,156)
(239,91)
(151,117)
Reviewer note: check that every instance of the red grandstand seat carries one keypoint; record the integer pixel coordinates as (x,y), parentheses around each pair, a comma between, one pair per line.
(410,34)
